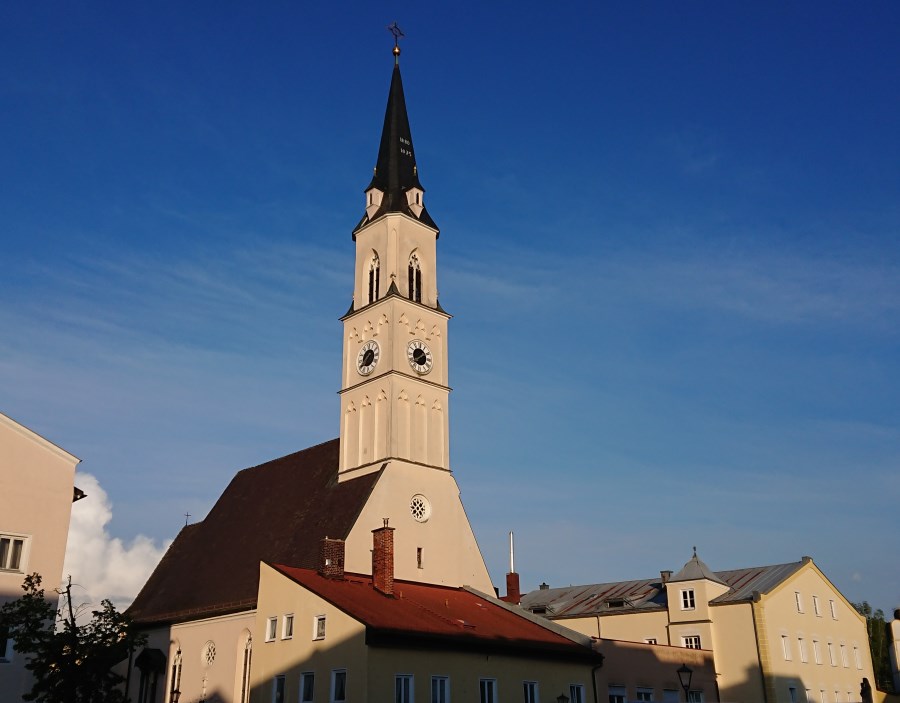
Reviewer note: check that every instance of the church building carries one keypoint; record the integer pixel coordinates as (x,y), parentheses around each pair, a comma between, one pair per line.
(349,570)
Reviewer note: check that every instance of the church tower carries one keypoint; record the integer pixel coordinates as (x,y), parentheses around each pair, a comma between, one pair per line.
(394,382)
(394,388)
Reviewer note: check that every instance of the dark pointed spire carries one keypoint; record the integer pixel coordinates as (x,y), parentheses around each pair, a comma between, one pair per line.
(395,170)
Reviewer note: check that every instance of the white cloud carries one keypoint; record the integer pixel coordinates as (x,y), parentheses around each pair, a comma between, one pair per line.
(102,565)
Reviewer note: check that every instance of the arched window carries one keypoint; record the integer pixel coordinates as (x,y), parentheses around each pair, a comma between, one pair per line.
(175,684)
(374,277)
(245,670)
(415,279)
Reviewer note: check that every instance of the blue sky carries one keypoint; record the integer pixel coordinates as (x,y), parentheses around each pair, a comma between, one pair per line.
(670,241)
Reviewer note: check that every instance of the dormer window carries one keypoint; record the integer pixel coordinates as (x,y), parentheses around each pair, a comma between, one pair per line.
(374,277)
(373,201)
(414,198)
(415,279)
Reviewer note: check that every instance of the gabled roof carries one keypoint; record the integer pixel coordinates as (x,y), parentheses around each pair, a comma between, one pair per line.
(395,170)
(650,594)
(426,615)
(277,511)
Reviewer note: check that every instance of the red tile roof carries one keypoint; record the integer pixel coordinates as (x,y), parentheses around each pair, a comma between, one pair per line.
(278,511)
(424,615)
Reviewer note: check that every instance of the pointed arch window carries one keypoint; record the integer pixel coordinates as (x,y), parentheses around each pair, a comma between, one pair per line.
(245,670)
(374,277)
(415,279)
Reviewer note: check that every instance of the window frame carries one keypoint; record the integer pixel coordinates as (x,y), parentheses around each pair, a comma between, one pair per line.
(798,599)
(287,626)
(643,691)
(688,599)
(335,674)
(280,678)
(804,654)
(617,693)
(833,607)
(816,609)
(530,692)
(576,693)
(817,654)
(24,551)
(692,639)
(786,648)
(445,698)
(271,628)
(7,647)
(407,682)
(485,683)
(304,677)
(319,627)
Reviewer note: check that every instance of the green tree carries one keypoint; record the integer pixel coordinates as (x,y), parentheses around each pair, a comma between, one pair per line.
(71,663)
(878,644)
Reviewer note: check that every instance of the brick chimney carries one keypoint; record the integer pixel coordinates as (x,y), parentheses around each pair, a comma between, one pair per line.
(383,559)
(664,577)
(331,558)
(513,594)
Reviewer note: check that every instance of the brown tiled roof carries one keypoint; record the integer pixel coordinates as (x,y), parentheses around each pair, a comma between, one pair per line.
(277,511)
(425,615)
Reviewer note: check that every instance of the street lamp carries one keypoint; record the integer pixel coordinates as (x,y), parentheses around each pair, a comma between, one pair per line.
(684,678)
(562,698)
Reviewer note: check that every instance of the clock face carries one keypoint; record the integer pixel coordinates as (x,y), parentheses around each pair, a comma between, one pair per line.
(367,358)
(419,356)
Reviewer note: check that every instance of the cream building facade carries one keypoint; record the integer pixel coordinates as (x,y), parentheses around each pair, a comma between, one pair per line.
(37,489)
(779,634)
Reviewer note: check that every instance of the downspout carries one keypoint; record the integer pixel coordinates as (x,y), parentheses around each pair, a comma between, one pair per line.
(762,674)
(594,679)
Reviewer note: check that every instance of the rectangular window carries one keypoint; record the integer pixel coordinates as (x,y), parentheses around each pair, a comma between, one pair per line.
(576,693)
(786,647)
(530,692)
(816,609)
(644,694)
(837,697)
(403,688)
(338,686)
(695,697)
(287,627)
(649,640)
(801,643)
(856,658)
(831,654)
(419,557)
(12,551)
(817,655)
(799,601)
(440,689)
(822,697)
(687,599)
(617,694)
(319,627)
(844,661)
(278,690)
(691,642)
(833,610)
(271,627)
(809,698)
(488,688)
(5,646)
(792,694)
(670,696)
(307,686)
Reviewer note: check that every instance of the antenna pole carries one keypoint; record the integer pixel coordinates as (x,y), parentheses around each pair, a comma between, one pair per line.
(512,554)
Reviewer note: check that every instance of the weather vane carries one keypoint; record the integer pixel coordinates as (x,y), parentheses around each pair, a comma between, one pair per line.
(397,32)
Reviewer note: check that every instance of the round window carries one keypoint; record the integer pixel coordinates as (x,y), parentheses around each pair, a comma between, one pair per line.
(420,508)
